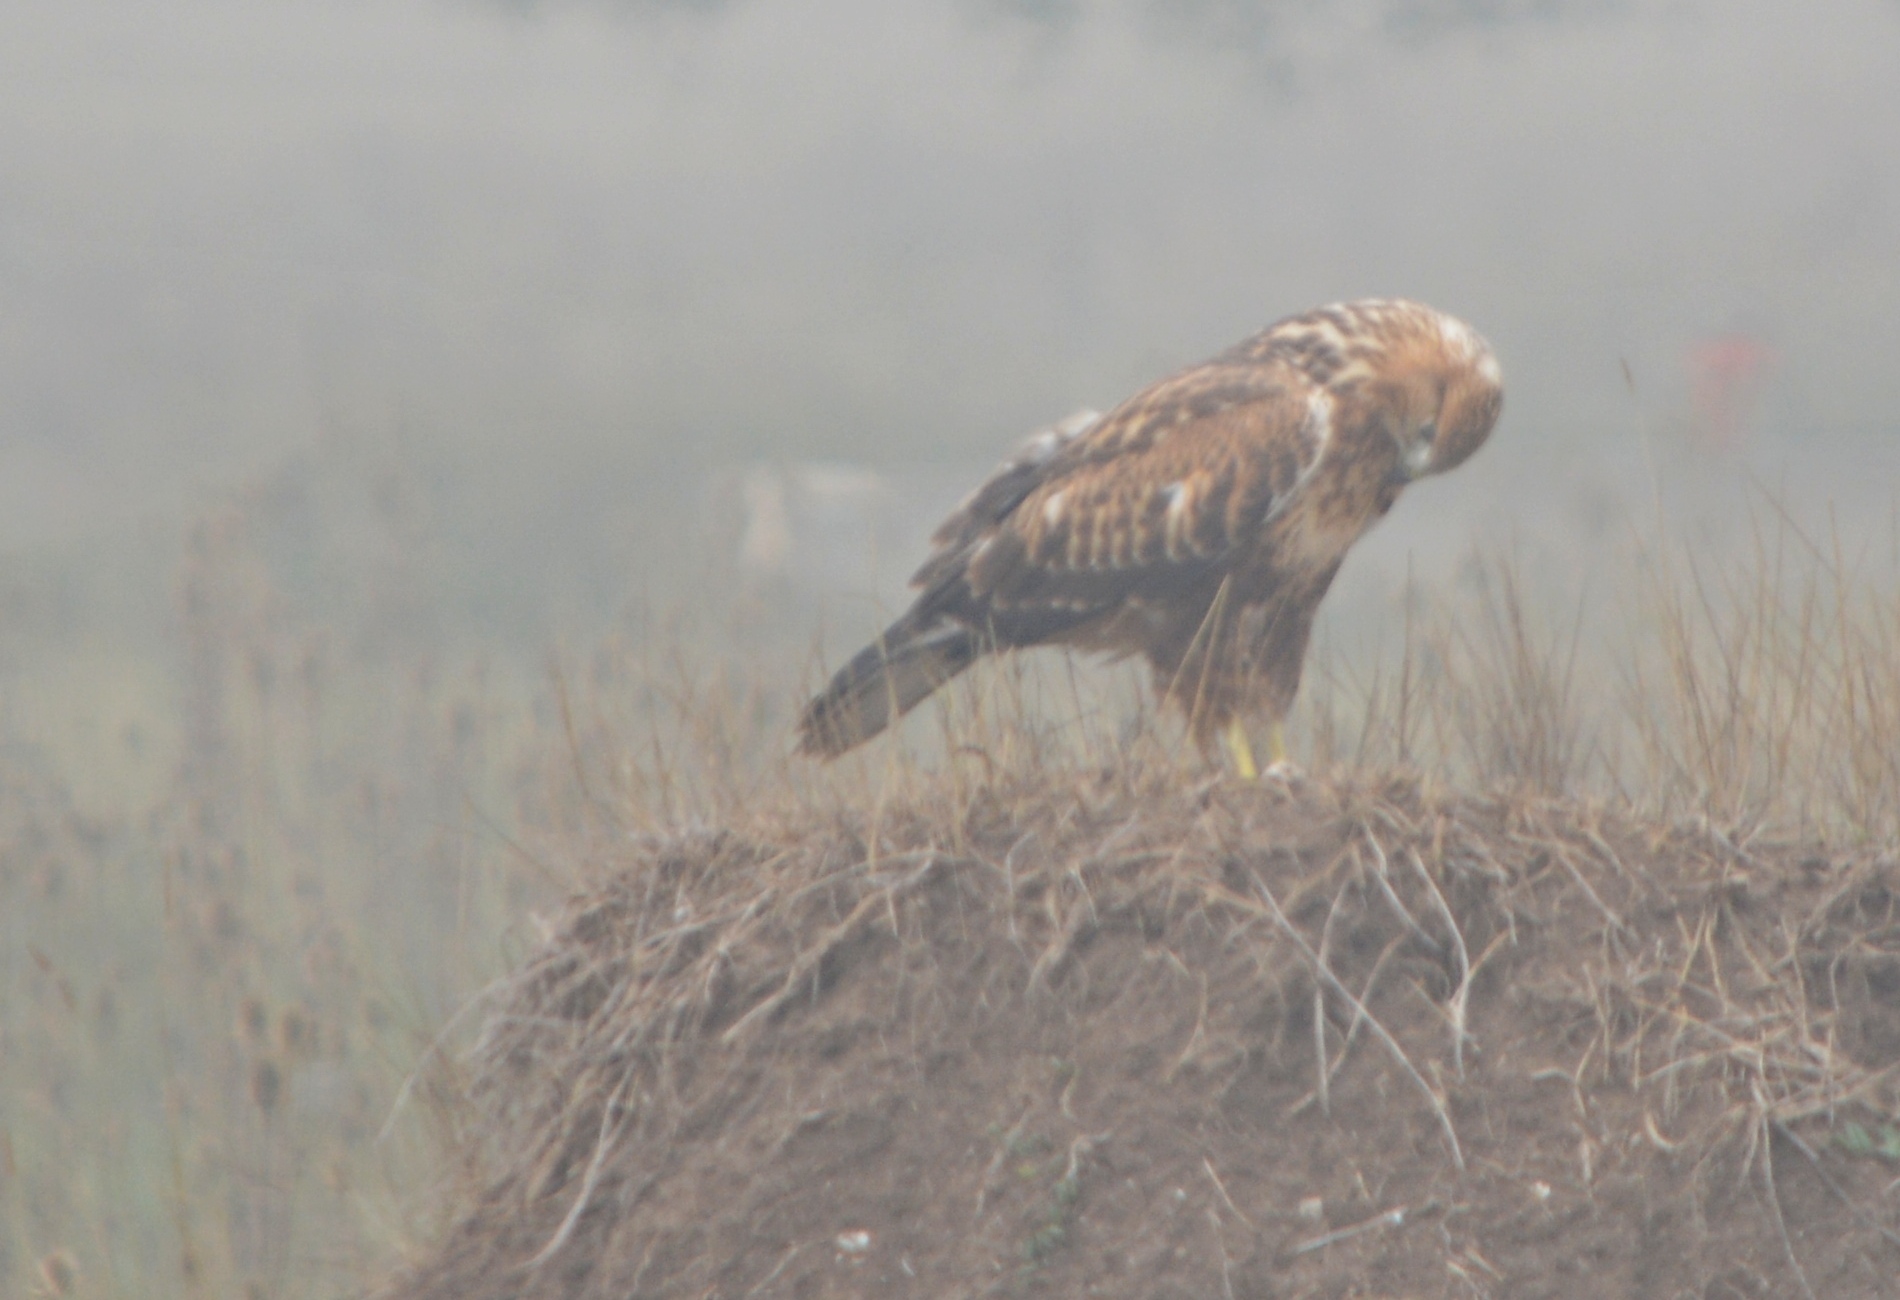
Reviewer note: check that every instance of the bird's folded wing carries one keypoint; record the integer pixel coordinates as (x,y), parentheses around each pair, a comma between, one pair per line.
(1173,485)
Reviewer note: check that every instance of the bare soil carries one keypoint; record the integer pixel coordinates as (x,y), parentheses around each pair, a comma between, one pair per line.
(1121,1035)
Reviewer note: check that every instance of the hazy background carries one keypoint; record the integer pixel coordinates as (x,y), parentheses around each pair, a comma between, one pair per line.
(358,358)
(561,264)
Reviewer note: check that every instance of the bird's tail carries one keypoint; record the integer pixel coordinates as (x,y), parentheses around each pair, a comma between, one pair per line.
(884,681)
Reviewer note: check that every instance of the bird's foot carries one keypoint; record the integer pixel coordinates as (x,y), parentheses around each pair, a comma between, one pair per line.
(1280,768)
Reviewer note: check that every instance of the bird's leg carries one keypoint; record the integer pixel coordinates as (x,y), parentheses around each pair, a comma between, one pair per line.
(1280,768)
(1242,753)
(1276,745)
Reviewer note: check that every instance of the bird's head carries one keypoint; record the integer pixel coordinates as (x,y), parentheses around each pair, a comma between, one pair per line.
(1446,393)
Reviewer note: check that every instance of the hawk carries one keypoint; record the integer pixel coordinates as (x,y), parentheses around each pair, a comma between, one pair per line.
(1198,524)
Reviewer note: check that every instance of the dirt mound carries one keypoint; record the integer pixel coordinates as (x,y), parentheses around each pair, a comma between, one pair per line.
(1120,1036)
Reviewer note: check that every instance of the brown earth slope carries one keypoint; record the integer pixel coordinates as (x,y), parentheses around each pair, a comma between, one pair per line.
(1120,1036)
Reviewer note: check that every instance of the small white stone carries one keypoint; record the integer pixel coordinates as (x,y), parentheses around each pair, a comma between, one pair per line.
(1540,1191)
(854,1243)
(1312,1209)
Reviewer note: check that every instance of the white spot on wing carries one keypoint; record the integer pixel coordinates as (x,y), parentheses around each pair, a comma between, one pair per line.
(1318,431)
(1319,419)
(1177,497)
(1077,423)
(1180,501)
(1489,369)
(1052,509)
(1042,446)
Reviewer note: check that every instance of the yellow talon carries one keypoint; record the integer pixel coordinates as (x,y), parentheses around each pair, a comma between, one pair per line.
(1241,752)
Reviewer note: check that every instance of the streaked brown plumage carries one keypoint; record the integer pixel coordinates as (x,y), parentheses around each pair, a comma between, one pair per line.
(1198,524)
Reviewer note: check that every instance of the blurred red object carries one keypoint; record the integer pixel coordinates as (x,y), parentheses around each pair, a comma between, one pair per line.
(1726,373)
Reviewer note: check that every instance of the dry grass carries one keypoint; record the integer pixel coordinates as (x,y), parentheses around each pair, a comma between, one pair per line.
(1758,691)
(1652,886)
(1771,693)
(654,1083)
(1695,812)
(210,994)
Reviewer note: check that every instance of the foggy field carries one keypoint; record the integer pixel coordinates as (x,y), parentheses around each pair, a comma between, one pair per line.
(443,443)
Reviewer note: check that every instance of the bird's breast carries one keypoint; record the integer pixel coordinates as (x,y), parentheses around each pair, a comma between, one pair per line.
(1343,500)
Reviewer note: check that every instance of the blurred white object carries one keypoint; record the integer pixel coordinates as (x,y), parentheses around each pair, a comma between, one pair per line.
(841,528)
(795,513)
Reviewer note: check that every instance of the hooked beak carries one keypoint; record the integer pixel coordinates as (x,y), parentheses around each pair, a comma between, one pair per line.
(1415,462)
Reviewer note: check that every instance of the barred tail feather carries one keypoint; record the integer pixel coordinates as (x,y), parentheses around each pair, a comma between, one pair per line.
(884,681)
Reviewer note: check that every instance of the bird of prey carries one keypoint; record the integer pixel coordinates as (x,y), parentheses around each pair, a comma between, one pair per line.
(1198,524)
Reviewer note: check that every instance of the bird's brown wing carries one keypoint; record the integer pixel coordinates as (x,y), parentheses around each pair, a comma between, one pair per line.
(977,516)
(1160,495)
